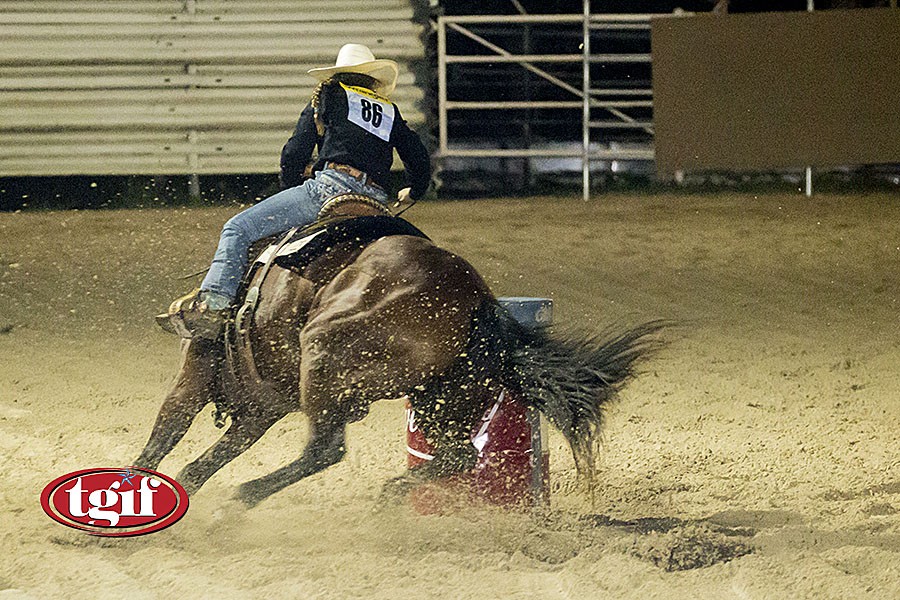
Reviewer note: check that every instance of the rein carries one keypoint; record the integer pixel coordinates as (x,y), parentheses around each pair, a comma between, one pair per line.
(411,204)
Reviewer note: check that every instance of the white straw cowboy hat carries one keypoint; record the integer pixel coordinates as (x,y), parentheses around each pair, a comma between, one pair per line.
(356,58)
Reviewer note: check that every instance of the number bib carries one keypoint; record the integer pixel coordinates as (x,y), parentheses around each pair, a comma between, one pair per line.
(370,111)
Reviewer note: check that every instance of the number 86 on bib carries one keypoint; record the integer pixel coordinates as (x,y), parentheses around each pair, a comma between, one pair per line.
(370,111)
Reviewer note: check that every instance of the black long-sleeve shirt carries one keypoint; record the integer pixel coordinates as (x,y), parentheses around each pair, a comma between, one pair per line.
(361,130)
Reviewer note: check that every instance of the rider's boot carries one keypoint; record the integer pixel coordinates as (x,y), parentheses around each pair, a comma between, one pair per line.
(197,314)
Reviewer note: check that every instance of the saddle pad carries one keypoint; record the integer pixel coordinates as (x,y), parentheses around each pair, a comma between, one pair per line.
(309,243)
(291,247)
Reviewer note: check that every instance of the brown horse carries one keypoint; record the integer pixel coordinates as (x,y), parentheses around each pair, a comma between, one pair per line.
(397,316)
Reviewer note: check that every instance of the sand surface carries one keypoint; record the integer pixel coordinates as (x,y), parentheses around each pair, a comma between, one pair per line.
(761,447)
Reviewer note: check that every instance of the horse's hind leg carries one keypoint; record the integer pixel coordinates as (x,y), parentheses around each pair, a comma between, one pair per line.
(194,388)
(324,448)
(450,458)
(452,455)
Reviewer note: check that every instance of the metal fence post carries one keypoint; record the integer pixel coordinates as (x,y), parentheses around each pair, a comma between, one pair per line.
(442,85)
(810,7)
(586,106)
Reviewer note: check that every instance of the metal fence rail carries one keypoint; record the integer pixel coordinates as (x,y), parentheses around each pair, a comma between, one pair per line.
(583,96)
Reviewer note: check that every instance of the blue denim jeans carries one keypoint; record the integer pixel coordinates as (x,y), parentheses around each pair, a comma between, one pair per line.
(290,208)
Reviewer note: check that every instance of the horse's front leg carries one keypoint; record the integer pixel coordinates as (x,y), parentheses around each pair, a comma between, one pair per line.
(194,388)
(245,429)
(324,448)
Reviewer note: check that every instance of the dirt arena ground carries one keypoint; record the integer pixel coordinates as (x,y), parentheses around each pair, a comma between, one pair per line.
(758,456)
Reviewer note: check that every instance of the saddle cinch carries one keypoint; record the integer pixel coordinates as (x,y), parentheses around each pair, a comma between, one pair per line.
(351,220)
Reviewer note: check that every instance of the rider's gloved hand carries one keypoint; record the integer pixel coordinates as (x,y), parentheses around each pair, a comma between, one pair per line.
(403,196)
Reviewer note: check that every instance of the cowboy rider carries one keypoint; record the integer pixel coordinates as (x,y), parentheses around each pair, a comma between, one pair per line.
(356,128)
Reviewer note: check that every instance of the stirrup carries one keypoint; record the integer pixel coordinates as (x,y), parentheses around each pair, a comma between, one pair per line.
(189,317)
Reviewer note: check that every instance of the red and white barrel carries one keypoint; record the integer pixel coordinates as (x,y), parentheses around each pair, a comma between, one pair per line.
(513,458)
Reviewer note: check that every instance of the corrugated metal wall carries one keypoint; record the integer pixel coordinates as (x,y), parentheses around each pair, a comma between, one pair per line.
(176,86)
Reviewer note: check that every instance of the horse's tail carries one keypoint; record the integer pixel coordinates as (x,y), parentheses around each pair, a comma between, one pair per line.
(569,380)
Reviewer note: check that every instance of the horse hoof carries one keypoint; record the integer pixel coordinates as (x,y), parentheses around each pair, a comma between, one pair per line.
(188,483)
(395,490)
(249,494)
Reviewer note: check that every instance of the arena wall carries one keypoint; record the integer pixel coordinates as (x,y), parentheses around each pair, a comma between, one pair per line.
(118,87)
(771,91)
